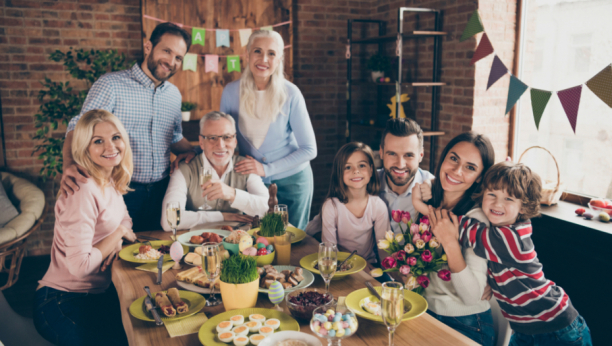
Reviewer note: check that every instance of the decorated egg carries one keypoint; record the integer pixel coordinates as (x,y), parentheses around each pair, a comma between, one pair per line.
(250,251)
(268,252)
(262,240)
(176,251)
(276,293)
(261,246)
(270,248)
(262,252)
(245,242)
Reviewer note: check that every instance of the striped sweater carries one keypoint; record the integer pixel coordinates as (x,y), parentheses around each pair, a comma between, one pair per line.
(532,303)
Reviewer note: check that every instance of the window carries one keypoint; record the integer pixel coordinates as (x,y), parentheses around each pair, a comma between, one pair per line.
(564,43)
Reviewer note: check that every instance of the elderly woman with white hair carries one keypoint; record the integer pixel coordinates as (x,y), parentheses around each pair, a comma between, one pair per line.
(273,126)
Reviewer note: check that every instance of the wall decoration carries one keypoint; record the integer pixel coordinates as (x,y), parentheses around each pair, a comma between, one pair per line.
(244,36)
(222,38)
(484,49)
(393,106)
(539,100)
(473,27)
(570,100)
(233,63)
(269,27)
(198,36)
(498,70)
(601,85)
(515,91)
(211,63)
(190,62)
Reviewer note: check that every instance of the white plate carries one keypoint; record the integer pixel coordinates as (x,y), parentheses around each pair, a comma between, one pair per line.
(195,288)
(308,279)
(275,338)
(185,237)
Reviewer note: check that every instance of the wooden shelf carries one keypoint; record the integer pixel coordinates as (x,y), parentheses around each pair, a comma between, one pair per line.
(406,35)
(414,84)
(382,128)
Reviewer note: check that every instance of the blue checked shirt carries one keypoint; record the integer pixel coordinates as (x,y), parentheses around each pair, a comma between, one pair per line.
(151,116)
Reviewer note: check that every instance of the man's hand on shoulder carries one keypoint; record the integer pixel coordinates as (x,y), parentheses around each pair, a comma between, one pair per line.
(237,217)
(71,178)
(216,189)
(187,156)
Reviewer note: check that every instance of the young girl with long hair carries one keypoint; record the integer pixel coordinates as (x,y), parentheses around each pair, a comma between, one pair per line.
(352,206)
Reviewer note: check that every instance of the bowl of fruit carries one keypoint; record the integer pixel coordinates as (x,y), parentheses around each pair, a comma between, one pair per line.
(600,205)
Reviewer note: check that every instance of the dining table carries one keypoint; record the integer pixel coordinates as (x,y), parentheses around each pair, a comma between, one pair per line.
(129,282)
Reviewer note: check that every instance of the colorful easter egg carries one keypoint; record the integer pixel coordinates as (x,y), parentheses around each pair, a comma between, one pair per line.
(262,252)
(261,246)
(245,242)
(263,241)
(276,293)
(250,251)
(270,248)
(176,251)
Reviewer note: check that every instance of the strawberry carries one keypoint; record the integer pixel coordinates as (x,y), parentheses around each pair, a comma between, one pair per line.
(580,211)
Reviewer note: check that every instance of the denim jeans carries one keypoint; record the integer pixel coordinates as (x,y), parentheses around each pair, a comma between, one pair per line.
(576,334)
(144,204)
(478,327)
(296,192)
(71,319)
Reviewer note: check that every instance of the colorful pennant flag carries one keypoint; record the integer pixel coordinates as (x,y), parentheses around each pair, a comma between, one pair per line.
(211,63)
(570,100)
(473,27)
(515,91)
(269,28)
(498,70)
(223,38)
(484,49)
(198,36)
(539,100)
(190,62)
(233,63)
(244,36)
(601,85)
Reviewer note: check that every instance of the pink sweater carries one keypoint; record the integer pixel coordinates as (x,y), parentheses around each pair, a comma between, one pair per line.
(81,221)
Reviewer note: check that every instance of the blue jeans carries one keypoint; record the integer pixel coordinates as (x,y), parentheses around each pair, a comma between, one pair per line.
(144,204)
(70,319)
(478,327)
(576,334)
(296,192)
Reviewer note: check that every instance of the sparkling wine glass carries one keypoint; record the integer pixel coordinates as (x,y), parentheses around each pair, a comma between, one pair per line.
(328,261)
(284,213)
(205,176)
(211,264)
(173,215)
(392,306)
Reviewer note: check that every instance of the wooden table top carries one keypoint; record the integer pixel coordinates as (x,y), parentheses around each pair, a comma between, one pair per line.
(129,282)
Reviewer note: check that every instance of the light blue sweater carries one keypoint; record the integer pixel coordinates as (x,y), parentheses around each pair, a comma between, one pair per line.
(290,142)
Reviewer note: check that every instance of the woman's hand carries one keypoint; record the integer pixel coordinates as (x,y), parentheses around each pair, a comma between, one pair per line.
(488,293)
(129,235)
(250,166)
(444,225)
(112,257)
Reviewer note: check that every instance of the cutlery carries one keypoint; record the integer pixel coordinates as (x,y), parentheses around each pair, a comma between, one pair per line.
(160,264)
(373,291)
(346,260)
(152,308)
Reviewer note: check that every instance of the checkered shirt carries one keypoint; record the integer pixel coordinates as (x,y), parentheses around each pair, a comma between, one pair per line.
(151,116)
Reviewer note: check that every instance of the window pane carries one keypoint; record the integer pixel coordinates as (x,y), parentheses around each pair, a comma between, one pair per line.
(565,43)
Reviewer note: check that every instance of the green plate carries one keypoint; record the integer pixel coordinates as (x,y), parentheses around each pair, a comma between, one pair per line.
(208,331)
(298,234)
(359,263)
(355,300)
(308,279)
(194,301)
(128,253)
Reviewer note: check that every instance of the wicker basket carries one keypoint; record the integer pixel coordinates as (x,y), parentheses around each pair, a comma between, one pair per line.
(551,191)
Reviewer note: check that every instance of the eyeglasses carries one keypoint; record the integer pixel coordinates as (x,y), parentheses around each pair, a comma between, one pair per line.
(213,139)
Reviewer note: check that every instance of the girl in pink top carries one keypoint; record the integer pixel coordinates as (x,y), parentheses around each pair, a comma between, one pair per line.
(353,207)
(75,302)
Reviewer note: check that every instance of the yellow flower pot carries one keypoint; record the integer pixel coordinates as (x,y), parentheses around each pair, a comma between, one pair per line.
(256,235)
(239,296)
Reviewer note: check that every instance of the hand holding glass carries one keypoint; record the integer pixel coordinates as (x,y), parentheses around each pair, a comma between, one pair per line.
(205,177)
(211,264)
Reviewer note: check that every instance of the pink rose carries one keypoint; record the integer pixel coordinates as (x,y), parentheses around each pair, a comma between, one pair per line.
(412,261)
(404,270)
(426,236)
(423,281)
(426,256)
(396,215)
(414,229)
(425,220)
(444,274)
(415,238)
(389,263)
(406,217)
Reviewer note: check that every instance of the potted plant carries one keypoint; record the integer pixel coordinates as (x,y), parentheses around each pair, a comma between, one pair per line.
(186,108)
(239,282)
(378,64)
(270,226)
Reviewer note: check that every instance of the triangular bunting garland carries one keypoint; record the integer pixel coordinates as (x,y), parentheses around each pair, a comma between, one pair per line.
(269,28)
(601,85)
(570,100)
(198,36)
(498,70)
(484,49)
(515,91)
(190,62)
(473,27)
(539,100)
(211,63)
(244,36)
(223,38)
(233,63)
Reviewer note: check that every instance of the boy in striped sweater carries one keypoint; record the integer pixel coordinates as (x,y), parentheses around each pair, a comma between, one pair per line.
(540,312)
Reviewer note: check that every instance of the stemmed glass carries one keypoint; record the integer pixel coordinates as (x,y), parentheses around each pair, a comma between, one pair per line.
(328,261)
(205,176)
(173,215)
(211,264)
(392,306)
(284,213)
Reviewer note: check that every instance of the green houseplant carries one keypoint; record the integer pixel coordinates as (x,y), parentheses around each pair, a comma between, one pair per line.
(378,64)
(60,102)
(186,108)
(270,225)
(239,282)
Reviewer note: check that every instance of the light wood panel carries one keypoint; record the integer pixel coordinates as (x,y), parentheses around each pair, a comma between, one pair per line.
(202,88)
(422,331)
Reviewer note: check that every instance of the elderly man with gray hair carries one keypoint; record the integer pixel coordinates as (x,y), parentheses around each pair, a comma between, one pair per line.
(227,196)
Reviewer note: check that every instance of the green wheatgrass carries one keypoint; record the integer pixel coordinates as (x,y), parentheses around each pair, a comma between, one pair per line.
(239,269)
(271,225)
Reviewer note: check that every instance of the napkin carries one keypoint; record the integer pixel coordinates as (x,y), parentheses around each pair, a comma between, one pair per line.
(186,326)
(152,267)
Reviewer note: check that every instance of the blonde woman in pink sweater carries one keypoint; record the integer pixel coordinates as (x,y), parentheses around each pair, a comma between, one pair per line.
(75,302)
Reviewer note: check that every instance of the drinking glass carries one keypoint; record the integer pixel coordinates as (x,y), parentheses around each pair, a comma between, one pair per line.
(173,215)
(284,213)
(211,264)
(328,261)
(205,176)
(282,246)
(392,306)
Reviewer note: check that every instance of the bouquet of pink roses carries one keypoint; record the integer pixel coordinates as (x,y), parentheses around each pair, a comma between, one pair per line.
(414,252)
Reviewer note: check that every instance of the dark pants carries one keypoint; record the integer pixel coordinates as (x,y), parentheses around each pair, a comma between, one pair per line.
(576,334)
(478,327)
(66,318)
(144,204)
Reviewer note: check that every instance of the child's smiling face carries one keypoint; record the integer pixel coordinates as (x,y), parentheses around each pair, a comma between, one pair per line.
(357,171)
(500,208)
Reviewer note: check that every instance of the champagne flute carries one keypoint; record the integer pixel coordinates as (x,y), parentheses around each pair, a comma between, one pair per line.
(173,215)
(392,306)
(328,261)
(284,213)
(211,264)
(205,176)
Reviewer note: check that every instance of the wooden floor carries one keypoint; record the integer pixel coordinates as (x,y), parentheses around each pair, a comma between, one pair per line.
(20,296)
